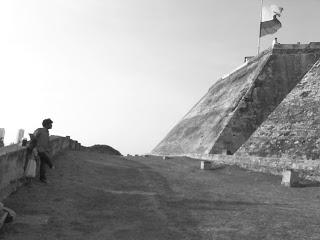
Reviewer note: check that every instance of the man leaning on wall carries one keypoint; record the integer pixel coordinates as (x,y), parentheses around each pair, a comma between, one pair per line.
(41,136)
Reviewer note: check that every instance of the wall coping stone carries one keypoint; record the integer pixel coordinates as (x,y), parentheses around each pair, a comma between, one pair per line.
(311,45)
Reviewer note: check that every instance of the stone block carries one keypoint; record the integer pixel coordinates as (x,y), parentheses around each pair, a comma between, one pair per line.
(224,152)
(2,132)
(75,145)
(205,165)
(72,145)
(290,178)
(20,135)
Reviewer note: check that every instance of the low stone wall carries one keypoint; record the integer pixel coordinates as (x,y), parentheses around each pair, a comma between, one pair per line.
(13,158)
(308,169)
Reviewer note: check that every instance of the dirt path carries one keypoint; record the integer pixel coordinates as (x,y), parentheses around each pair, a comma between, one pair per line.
(96,196)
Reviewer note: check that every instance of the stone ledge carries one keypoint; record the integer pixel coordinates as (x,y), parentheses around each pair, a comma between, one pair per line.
(307,169)
(13,159)
(311,45)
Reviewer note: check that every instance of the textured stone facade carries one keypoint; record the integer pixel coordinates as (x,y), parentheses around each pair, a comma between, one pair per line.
(201,127)
(280,74)
(293,129)
(236,105)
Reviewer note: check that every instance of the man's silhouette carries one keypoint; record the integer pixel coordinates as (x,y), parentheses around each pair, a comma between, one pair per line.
(41,136)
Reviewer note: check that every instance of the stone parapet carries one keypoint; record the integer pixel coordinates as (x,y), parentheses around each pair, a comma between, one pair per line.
(308,169)
(13,159)
(311,45)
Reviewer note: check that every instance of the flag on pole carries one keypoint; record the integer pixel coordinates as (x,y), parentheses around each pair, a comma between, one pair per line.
(271,26)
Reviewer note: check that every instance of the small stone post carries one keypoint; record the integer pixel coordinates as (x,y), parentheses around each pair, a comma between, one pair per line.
(20,135)
(2,133)
(290,178)
(205,165)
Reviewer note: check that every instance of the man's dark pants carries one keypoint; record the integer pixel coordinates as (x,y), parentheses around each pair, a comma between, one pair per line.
(44,159)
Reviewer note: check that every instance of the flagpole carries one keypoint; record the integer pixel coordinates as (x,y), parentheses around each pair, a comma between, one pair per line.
(260,26)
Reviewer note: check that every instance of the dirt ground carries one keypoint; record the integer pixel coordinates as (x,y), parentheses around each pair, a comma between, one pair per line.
(97,196)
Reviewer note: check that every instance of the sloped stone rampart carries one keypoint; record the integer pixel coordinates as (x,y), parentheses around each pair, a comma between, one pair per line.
(13,158)
(235,106)
(200,128)
(293,129)
(279,76)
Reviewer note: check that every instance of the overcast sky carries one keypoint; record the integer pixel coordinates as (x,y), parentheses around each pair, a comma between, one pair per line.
(124,72)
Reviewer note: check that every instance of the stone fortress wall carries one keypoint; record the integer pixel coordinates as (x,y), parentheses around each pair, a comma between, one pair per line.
(293,128)
(13,159)
(267,109)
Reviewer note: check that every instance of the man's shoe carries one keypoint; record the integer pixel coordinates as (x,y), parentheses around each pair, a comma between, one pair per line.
(44,180)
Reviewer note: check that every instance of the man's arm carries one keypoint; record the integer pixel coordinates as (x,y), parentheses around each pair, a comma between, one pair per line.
(36,133)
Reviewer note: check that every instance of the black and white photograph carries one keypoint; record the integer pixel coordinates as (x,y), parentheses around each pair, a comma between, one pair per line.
(160,120)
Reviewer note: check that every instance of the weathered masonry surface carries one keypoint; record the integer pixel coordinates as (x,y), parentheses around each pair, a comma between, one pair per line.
(201,127)
(293,129)
(236,105)
(306,169)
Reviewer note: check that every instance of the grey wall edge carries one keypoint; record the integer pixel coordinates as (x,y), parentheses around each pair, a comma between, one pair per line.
(13,159)
(308,169)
